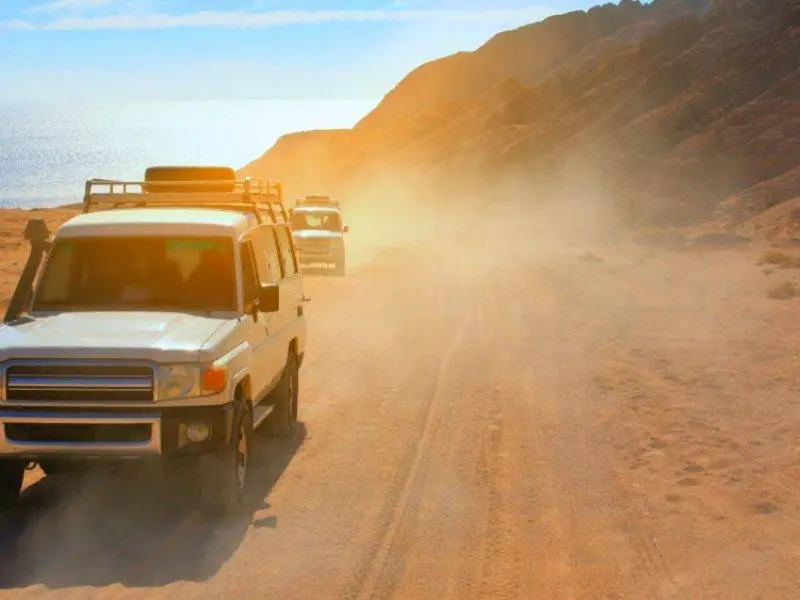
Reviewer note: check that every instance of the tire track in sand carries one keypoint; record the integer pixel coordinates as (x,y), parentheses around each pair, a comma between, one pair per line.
(369,577)
(585,541)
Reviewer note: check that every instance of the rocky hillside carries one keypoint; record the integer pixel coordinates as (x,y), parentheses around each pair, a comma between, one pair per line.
(674,111)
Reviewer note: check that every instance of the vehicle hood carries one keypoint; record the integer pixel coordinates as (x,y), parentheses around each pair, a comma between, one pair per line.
(315,234)
(161,336)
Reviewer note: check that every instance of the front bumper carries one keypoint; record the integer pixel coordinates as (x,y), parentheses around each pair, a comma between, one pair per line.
(316,251)
(152,432)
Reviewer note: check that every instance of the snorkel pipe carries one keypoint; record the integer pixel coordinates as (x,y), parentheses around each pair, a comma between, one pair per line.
(38,236)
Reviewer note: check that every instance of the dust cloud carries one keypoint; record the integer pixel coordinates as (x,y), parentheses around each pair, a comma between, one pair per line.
(503,373)
(507,217)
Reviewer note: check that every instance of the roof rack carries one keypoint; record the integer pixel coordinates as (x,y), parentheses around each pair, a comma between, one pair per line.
(316,201)
(262,198)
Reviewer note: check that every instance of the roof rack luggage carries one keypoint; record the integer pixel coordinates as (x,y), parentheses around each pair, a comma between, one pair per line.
(316,201)
(190,187)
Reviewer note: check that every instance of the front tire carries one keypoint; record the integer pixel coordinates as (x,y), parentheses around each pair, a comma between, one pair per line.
(282,422)
(340,264)
(11,476)
(225,476)
(340,268)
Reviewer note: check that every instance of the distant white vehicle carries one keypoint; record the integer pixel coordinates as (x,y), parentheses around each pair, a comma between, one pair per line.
(167,323)
(318,231)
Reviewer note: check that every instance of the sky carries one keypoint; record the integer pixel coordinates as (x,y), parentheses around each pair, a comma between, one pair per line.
(102,50)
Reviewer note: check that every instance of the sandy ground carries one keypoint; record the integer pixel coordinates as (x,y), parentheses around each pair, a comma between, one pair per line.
(485,421)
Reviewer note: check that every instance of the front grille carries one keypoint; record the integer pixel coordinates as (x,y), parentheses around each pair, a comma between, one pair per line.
(77,433)
(79,383)
(314,242)
(321,248)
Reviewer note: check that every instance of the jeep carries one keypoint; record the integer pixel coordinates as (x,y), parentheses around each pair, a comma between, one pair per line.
(164,324)
(319,232)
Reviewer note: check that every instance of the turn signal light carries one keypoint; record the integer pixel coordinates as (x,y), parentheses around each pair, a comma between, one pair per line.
(214,380)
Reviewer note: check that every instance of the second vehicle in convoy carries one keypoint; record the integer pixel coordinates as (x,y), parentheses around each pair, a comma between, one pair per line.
(318,232)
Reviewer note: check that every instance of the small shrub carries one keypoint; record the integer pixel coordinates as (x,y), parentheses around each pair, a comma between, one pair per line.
(778,258)
(783,291)
(773,257)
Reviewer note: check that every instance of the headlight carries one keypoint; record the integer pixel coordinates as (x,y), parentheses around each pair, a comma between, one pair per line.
(177,381)
(188,381)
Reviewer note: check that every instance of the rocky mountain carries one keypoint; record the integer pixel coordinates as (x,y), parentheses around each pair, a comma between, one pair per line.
(673,111)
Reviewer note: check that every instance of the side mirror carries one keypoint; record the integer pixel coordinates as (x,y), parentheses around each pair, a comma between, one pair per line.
(346,228)
(269,298)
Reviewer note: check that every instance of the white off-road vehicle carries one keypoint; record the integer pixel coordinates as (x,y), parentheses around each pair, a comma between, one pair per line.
(164,323)
(318,232)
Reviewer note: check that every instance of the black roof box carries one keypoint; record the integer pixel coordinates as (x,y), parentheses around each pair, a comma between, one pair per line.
(220,179)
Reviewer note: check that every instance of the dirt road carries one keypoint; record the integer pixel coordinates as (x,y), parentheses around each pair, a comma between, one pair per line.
(498,422)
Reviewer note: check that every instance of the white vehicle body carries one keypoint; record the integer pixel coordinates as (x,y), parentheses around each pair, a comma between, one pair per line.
(318,230)
(97,381)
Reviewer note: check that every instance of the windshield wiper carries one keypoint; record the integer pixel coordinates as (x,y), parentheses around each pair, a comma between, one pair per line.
(126,308)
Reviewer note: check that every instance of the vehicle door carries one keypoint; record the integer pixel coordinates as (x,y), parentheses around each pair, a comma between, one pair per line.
(256,324)
(292,283)
(272,272)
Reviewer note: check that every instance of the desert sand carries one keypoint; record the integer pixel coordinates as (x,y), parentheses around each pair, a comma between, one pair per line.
(554,415)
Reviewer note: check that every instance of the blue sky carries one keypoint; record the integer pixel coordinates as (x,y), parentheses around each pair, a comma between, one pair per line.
(160,49)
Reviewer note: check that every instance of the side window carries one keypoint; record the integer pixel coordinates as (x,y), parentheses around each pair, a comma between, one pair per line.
(275,271)
(249,285)
(287,251)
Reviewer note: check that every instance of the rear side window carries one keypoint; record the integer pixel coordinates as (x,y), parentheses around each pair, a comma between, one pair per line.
(287,251)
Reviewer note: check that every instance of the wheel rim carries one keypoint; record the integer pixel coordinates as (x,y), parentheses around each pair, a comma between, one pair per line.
(241,458)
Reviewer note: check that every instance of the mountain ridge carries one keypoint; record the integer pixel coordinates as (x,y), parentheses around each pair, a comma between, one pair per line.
(671,108)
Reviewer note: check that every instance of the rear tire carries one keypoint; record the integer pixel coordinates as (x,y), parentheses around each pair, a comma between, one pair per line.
(225,476)
(282,422)
(11,475)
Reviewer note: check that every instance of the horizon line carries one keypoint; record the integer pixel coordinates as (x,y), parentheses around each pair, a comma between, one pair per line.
(239,19)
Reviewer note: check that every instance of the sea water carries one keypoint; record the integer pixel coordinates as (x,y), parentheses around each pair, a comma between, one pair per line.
(47,151)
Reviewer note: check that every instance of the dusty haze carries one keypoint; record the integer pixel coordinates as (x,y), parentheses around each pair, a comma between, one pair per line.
(501,399)
(682,111)
(562,364)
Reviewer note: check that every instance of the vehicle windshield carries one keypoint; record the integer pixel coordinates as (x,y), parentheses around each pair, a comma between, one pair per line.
(139,273)
(317,219)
